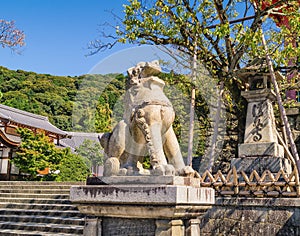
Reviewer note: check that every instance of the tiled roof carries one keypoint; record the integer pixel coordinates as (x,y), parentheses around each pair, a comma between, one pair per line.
(28,119)
(75,139)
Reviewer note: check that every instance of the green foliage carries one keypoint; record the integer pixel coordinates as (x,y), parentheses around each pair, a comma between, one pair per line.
(94,102)
(72,168)
(37,152)
(224,35)
(92,152)
(178,89)
(40,94)
(83,103)
(108,110)
(146,162)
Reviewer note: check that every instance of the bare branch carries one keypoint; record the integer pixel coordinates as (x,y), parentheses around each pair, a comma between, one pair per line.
(98,46)
(10,36)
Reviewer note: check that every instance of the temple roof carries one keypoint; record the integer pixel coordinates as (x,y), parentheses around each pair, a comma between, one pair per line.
(9,140)
(10,114)
(75,139)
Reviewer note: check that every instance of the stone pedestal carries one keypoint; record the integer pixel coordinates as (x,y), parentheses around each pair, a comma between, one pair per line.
(260,150)
(169,208)
(260,164)
(270,149)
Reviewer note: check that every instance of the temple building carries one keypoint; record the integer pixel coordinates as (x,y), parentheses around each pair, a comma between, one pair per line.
(10,120)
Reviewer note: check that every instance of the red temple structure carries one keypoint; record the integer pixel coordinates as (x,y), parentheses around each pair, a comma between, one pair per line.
(10,120)
(281,20)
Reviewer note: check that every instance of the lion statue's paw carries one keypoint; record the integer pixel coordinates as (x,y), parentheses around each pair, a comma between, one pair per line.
(188,171)
(168,170)
(111,167)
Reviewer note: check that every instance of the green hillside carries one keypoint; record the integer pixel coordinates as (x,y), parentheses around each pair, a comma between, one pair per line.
(63,99)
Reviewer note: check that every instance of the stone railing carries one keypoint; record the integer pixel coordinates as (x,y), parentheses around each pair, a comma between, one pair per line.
(240,184)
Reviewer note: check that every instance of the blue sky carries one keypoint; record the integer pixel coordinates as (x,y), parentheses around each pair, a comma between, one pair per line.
(58,32)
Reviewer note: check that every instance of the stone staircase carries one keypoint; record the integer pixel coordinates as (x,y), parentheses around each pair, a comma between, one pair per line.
(38,208)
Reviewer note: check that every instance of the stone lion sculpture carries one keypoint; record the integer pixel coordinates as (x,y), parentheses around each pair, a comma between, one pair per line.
(146,129)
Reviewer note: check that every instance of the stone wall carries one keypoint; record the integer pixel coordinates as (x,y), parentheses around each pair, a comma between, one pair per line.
(252,216)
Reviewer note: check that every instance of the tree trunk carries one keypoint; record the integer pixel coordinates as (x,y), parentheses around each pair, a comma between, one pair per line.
(216,128)
(192,111)
(280,105)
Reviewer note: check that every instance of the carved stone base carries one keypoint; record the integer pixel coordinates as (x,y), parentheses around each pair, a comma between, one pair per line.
(260,164)
(272,149)
(143,209)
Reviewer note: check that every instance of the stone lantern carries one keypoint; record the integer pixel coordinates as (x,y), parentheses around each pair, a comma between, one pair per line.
(260,150)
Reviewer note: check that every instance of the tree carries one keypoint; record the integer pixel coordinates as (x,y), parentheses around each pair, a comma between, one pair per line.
(225,35)
(10,36)
(79,103)
(91,151)
(72,168)
(94,101)
(37,152)
(109,104)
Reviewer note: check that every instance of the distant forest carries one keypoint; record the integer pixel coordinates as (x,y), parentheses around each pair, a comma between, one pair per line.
(67,101)
(93,103)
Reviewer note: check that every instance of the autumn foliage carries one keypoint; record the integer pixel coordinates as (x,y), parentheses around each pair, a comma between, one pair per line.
(280,8)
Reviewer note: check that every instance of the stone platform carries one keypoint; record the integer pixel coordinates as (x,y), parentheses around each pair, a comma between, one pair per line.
(261,164)
(272,149)
(143,205)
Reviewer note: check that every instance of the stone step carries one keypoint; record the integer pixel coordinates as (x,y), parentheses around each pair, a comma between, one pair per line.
(25,206)
(36,186)
(39,183)
(36,191)
(59,187)
(11,232)
(43,219)
(44,227)
(35,201)
(34,196)
(38,208)
(38,212)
